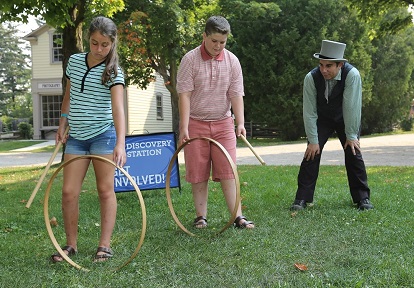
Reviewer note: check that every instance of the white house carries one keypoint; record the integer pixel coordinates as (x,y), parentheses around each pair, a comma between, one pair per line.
(146,111)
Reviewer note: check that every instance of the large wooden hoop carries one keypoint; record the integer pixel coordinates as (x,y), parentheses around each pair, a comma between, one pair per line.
(236,179)
(46,210)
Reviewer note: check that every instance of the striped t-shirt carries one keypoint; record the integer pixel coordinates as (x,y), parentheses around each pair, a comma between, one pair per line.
(90,112)
(212,81)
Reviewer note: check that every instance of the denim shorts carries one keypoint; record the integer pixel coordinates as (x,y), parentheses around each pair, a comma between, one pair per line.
(102,144)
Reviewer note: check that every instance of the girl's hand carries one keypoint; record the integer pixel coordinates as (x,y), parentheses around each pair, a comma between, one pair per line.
(120,155)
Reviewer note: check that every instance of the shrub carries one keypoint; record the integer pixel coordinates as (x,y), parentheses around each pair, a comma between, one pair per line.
(406,124)
(7,123)
(25,130)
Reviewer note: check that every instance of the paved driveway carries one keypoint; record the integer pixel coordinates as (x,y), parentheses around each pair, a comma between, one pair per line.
(392,150)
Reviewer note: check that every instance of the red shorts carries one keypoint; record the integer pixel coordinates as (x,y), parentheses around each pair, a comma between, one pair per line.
(201,155)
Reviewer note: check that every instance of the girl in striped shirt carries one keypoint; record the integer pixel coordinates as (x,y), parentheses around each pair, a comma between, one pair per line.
(93,108)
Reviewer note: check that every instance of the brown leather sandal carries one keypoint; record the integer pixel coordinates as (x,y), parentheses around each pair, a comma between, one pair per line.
(108,253)
(200,222)
(71,251)
(244,224)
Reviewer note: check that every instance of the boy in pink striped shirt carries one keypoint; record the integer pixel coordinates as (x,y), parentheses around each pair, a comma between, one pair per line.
(209,83)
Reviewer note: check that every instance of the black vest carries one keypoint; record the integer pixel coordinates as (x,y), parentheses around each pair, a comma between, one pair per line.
(331,109)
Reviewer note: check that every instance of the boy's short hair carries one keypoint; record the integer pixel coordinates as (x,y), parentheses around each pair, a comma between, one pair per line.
(217,24)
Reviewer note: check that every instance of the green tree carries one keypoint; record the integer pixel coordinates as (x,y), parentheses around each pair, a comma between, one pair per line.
(275,50)
(391,32)
(154,35)
(393,66)
(14,74)
(376,12)
(67,15)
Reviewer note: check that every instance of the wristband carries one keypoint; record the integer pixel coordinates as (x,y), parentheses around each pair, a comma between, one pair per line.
(64,115)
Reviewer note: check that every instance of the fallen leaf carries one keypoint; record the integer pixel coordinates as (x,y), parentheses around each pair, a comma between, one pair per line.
(293,214)
(301,267)
(23,201)
(244,183)
(53,222)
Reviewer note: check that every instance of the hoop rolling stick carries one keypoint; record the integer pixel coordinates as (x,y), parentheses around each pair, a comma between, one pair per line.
(236,179)
(46,210)
(251,148)
(45,171)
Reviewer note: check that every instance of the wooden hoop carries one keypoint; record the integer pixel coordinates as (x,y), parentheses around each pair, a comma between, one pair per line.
(236,178)
(46,210)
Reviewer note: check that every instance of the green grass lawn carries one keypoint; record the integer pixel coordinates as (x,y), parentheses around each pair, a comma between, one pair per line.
(340,246)
(7,145)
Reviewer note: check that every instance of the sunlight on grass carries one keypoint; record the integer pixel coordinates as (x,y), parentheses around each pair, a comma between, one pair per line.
(340,246)
(7,145)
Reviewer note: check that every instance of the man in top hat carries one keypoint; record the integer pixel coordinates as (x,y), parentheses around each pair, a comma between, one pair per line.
(332,101)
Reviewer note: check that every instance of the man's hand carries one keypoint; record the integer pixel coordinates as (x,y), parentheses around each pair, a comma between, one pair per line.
(354,144)
(311,151)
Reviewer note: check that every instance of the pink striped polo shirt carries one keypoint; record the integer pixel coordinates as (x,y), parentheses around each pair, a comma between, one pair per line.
(212,81)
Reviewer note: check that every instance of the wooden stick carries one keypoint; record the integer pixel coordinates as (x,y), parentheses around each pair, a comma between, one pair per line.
(46,169)
(251,148)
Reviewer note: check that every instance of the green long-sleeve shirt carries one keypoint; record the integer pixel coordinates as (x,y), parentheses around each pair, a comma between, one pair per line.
(351,105)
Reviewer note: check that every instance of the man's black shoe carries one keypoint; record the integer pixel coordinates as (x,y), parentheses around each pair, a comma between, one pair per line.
(365,205)
(298,205)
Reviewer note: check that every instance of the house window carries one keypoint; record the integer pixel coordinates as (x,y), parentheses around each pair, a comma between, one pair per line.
(57,52)
(160,114)
(51,105)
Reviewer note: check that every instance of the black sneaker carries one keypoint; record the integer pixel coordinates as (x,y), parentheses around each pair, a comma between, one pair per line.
(298,205)
(365,205)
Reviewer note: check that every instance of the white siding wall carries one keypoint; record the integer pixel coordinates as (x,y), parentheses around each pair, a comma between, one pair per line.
(43,67)
(142,109)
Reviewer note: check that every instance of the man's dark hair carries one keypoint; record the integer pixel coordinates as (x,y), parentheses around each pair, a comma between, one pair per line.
(217,24)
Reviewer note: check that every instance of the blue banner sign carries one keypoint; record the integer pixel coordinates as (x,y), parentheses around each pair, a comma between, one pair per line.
(148,157)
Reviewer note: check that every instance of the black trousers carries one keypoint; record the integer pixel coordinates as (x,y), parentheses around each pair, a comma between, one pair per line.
(355,166)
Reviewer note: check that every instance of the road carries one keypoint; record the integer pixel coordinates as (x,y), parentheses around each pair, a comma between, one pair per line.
(390,150)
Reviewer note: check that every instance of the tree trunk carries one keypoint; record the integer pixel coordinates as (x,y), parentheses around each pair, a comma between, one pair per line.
(175,112)
(72,41)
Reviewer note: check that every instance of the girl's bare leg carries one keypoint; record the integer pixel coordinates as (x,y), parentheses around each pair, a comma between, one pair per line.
(73,175)
(108,205)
